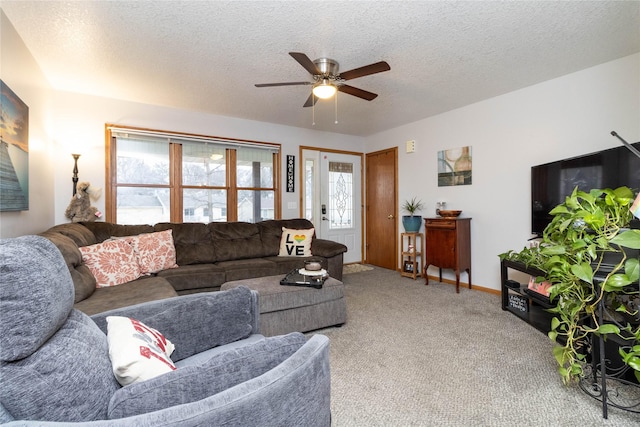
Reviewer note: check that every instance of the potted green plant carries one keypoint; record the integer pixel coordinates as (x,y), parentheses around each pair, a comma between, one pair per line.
(412,222)
(584,230)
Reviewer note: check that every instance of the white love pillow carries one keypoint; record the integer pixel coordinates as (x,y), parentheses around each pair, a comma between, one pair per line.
(137,352)
(296,242)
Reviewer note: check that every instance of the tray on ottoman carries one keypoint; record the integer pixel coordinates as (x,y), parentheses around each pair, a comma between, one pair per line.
(301,277)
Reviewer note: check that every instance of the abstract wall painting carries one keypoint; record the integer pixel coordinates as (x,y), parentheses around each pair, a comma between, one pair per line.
(454,166)
(14,151)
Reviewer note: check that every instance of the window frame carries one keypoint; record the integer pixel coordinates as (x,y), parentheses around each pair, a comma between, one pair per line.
(176,187)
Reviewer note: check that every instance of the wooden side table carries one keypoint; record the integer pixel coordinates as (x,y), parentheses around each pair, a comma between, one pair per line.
(448,242)
(411,255)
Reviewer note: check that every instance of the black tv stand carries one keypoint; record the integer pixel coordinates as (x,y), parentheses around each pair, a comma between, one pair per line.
(526,305)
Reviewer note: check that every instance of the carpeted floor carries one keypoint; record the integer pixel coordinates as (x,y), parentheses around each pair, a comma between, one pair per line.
(416,355)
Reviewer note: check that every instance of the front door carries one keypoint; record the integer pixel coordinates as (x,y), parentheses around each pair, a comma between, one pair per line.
(332,198)
(381,208)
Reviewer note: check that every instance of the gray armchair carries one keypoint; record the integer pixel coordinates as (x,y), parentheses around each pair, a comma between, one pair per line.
(55,367)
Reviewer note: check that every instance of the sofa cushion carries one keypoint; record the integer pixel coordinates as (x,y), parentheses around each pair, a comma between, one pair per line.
(112,262)
(236,240)
(136,292)
(296,242)
(193,383)
(154,251)
(36,295)
(83,280)
(106,230)
(77,232)
(247,268)
(284,264)
(137,351)
(192,242)
(194,277)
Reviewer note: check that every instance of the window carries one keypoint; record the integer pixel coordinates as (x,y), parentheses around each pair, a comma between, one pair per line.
(159,176)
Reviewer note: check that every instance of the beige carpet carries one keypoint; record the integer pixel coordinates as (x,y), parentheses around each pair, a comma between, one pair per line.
(355,268)
(416,355)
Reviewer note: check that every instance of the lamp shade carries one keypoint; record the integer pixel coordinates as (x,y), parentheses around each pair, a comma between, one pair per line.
(324,90)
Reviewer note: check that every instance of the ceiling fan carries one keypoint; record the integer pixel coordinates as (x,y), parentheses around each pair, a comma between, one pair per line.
(327,80)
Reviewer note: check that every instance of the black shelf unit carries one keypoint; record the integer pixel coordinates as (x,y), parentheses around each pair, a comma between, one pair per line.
(609,382)
(520,301)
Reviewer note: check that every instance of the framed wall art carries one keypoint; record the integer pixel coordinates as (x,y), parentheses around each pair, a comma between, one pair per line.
(14,152)
(454,166)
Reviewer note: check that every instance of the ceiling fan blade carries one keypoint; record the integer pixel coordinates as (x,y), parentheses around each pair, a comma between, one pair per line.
(311,100)
(283,84)
(367,70)
(305,62)
(369,96)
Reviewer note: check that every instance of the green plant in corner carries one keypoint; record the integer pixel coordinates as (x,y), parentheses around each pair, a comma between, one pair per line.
(585,228)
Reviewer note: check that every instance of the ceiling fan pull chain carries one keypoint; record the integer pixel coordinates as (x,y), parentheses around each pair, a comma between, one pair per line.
(336,111)
(313,110)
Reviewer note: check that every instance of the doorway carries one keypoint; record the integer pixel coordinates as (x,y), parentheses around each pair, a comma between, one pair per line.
(381,208)
(332,197)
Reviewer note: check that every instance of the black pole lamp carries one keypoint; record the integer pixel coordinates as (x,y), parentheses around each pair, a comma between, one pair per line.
(75,172)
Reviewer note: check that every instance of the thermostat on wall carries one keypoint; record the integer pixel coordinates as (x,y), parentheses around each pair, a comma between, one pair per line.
(411,146)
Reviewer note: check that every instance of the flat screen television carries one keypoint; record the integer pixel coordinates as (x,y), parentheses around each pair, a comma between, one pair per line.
(552,182)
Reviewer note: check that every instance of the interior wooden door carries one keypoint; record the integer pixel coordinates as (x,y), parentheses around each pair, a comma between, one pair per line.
(381,208)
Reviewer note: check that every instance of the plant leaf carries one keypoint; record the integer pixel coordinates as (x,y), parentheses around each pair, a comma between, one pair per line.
(615,282)
(583,271)
(608,328)
(628,239)
(632,269)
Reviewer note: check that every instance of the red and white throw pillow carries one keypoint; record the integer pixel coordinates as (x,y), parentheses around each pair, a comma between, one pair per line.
(155,251)
(137,351)
(111,262)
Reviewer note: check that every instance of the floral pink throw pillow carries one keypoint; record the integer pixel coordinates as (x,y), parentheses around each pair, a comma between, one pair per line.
(155,251)
(112,262)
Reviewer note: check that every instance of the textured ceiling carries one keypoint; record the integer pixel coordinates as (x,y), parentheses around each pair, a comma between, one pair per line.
(207,55)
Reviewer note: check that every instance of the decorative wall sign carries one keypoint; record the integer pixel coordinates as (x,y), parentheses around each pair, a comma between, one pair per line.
(454,167)
(291,161)
(14,152)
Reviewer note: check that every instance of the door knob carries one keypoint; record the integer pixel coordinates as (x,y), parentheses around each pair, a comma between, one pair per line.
(324,218)
(390,216)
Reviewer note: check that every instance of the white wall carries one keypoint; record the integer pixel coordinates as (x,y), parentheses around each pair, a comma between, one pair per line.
(560,118)
(80,128)
(23,76)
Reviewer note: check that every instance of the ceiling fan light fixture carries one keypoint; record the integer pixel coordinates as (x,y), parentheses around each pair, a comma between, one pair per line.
(324,90)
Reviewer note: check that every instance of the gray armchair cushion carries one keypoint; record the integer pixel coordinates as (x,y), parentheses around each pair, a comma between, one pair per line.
(68,379)
(194,323)
(33,279)
(193,383)
(54,360)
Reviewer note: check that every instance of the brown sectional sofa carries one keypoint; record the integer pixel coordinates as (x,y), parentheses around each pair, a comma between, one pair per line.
(208,255)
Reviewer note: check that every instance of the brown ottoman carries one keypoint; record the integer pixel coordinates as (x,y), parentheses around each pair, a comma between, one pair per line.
(285,309)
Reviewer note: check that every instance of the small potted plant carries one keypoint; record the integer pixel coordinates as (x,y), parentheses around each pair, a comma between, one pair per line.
(412,222)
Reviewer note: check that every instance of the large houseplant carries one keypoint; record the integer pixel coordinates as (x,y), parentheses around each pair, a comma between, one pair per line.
(584,229)
(412,222)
